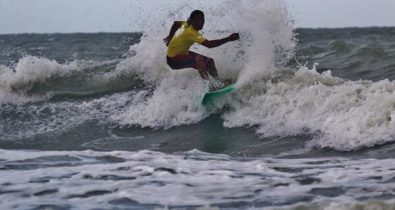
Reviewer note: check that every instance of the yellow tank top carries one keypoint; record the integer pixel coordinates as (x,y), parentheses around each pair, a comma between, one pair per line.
(183,39)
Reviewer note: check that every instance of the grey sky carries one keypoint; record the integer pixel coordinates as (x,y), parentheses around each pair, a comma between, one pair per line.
(342,13)
(32,16)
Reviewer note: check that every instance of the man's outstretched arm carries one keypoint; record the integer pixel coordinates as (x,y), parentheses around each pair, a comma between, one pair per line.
(174,28)
(218,42)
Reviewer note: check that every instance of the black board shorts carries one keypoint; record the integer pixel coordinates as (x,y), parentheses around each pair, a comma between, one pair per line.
(182,61)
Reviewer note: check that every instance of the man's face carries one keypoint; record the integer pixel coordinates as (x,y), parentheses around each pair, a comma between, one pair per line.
(198,22)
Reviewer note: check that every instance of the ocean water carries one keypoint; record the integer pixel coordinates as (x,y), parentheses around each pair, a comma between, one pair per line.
(99,121)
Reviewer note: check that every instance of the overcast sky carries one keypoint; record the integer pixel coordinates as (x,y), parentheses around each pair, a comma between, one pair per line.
(342,13)
(48,16)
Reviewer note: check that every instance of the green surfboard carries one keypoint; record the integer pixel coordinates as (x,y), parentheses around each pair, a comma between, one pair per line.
(210,97)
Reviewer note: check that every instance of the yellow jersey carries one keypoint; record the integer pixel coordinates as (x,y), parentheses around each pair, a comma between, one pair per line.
(183,39)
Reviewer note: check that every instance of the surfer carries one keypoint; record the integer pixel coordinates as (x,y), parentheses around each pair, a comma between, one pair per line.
(183,34)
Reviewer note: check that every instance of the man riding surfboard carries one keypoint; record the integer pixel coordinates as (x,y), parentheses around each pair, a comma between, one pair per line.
(183,34)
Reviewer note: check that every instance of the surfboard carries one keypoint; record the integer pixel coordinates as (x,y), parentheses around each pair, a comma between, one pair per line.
(210,97)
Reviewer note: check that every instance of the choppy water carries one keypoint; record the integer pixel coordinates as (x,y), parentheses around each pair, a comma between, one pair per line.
(99,121)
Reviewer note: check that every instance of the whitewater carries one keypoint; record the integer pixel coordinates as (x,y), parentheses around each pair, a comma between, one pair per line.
(99,121)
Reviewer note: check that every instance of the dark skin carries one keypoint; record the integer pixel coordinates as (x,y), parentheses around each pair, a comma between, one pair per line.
(205,69)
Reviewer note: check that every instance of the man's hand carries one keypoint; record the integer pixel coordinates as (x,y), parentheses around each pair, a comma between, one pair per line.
(234,37)
(167,40)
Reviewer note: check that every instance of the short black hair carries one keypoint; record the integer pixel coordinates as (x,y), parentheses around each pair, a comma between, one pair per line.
(193,15)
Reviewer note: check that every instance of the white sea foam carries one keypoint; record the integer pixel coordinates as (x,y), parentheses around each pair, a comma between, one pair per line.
(175,101)
(30,70)
(89,179)
(22,84)
(343,115)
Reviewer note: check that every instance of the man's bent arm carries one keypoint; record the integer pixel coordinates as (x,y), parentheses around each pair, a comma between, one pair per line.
(174,28)
(219,42)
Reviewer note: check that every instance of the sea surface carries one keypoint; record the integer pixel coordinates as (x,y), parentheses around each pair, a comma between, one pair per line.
(99,121)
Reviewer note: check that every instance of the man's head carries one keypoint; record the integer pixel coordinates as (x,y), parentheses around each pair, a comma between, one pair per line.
(196,19)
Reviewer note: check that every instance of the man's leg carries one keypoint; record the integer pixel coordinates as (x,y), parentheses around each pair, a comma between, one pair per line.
(206,66)
(212,70)
(203,64)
